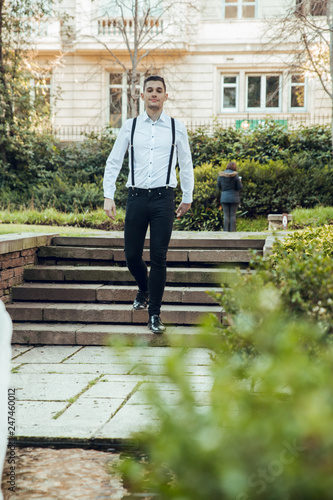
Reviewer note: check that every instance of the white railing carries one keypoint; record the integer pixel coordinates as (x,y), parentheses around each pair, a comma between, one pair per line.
(250,122)
(116,26)
(36,28)
(78,133)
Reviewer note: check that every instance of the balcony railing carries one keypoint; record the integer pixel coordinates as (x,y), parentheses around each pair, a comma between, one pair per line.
(115,27)
(36,29)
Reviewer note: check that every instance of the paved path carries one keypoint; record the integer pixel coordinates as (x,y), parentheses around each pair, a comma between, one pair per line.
(93,394)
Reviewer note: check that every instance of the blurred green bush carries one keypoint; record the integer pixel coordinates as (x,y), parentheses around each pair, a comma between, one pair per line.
(264,430)
(301,267)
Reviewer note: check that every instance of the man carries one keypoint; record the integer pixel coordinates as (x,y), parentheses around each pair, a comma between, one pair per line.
(151,183)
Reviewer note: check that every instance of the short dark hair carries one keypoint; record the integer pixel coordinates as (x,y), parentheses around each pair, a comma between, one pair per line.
(154,78)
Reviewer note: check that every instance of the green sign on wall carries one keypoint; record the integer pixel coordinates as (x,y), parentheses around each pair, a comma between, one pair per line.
(252,124)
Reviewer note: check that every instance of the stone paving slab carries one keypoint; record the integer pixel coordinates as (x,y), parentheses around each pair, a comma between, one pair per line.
(17,350)
(88,415)
(46,354)
(33,416)
(128,419)
(49,386)
(114,369)
(172,397)
(111,390)
(97,393)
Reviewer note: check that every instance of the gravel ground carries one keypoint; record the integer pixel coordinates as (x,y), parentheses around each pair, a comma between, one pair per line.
(63,474)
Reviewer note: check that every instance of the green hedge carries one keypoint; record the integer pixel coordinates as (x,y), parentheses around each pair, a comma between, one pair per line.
(271,141)
(273,187)
(281,170)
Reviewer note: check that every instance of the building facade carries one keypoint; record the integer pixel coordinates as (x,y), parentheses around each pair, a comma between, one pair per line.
(216,56)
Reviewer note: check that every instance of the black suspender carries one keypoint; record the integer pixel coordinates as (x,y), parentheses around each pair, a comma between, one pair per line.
(173,129)
(132,149)
(172,150)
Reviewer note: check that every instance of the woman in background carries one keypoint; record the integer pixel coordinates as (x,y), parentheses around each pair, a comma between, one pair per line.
(231,185)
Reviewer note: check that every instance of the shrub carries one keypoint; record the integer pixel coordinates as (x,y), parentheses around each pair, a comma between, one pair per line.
(281,170)
(301,267)
(201,219)
(269,141)
(315,141)
(273,187)
(265,428)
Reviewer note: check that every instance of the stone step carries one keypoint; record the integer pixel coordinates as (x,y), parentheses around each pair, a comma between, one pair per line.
(180,239)
(62,254)
(114,275)
(107,313)
(99,334)
(47,292)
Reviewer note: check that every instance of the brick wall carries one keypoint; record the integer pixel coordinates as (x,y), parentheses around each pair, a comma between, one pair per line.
(11,270)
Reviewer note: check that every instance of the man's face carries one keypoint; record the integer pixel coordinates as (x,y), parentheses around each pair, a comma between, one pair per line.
(154,96)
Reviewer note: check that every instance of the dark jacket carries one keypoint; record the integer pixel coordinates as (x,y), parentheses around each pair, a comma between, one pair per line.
(231,185)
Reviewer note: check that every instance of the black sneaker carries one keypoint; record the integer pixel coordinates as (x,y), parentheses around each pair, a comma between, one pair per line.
(155,324)
(141,300)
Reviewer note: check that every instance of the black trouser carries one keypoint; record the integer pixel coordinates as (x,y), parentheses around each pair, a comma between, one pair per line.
(154,207)
(229,211)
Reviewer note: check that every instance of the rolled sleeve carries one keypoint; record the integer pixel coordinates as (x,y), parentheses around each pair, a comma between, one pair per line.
(185,165)
(115,160)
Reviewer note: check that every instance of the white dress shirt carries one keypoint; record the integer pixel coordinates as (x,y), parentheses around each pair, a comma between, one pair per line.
(152,145)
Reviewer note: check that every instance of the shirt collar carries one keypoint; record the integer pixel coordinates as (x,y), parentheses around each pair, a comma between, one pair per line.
(147,118)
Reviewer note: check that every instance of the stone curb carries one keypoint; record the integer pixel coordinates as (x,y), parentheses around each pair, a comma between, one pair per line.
(16,242)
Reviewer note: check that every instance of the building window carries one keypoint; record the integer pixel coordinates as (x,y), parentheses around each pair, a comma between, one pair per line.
(297,93)
(239,9)
(120,98)
(313,7)
(229,93)
(263,92)
(318,7)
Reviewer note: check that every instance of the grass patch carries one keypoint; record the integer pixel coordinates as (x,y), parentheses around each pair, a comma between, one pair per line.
(86,223)
(313,217)
(252,225)
(61,230)
(94,219)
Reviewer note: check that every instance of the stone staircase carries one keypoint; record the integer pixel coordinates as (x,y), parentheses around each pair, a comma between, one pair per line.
(81,291)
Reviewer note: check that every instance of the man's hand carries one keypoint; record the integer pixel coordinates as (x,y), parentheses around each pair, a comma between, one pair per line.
(182,209)
(110,208)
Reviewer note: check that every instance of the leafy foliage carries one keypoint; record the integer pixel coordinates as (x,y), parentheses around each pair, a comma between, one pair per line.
(301,267)
(272,187)
(264,428)
(40,171)
(270,141)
